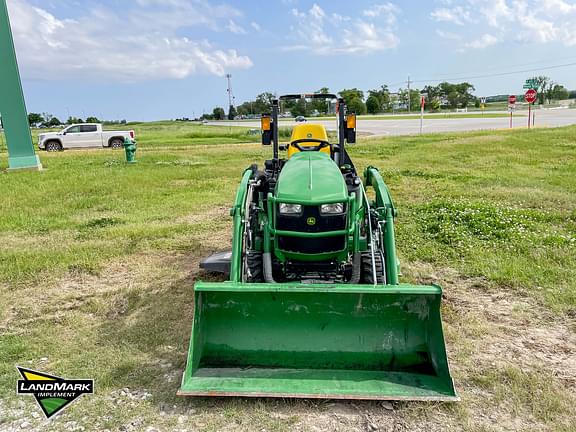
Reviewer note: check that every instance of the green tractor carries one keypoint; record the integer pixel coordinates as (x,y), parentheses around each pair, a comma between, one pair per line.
(313,307)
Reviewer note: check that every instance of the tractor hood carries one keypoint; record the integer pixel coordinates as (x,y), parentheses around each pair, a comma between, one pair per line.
(311,178)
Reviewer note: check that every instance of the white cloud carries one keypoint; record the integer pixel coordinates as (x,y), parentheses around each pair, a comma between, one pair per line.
(456,15)
(235,28)
(387,10)
(523,21)
(482,42)
(320,33)
(447,35)
(138,44)
(255,26)
(365,37)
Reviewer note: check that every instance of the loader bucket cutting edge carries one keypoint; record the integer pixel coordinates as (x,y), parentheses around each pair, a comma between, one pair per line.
(317,341)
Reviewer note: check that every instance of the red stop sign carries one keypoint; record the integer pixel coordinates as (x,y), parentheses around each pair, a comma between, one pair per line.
(530,96)
(511,99)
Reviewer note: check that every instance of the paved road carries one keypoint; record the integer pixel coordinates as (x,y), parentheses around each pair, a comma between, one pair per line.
(549,118)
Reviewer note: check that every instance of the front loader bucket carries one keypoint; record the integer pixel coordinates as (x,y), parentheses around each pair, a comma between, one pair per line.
(318,341)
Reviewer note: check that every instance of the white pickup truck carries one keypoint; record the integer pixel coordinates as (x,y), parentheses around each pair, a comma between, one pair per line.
(82,135)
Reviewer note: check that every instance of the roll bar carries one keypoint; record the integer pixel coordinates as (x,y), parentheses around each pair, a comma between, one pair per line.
(309,96)
(346,124)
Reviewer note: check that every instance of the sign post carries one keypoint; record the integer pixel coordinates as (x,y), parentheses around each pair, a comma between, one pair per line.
(530,97)
(21,152)
(422,103)
(482,104)
(511,106)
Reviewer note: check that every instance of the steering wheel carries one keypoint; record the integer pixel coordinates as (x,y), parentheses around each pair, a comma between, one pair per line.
(321,144)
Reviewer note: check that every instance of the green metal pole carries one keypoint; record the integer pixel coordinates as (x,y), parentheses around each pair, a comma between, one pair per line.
(21,152)
(390,247)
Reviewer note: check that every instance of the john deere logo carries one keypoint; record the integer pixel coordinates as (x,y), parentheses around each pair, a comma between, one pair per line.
(311,221)
(51,392)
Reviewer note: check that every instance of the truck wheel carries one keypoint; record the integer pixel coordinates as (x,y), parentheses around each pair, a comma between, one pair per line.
(116,143)
(53,146)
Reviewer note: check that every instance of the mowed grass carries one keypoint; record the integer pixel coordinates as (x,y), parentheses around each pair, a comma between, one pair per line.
(96,258)
(177,134)
(496,204)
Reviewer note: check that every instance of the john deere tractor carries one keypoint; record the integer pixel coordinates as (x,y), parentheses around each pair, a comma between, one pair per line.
(313,306)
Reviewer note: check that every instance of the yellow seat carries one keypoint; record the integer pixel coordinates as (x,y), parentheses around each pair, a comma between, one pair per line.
(308,131)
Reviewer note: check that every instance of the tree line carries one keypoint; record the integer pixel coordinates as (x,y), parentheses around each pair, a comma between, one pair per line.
(47,120)
(381,100)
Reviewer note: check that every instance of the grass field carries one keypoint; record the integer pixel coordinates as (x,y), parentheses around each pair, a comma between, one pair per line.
(98,260)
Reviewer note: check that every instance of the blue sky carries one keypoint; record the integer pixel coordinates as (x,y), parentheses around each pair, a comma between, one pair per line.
(161,59)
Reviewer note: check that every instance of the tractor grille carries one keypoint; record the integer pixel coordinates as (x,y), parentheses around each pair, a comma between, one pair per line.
(312,246)
(301,223)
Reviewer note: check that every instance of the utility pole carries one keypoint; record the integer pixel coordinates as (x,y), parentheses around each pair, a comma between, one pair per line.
(408,83)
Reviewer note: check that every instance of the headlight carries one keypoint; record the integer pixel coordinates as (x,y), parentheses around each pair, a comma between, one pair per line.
(290,209)
(337,208)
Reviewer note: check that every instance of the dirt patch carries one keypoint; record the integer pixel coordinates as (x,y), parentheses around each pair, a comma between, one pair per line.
(211,213)
(513,330)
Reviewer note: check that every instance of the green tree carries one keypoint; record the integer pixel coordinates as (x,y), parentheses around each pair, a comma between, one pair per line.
(541,82)
(92,119)
(218,113)
(415,99)
(232,112)
(373,105)
(433,95)
(74,120)
(245,109)
(434,104)
(263,103)
(34,119)
(559,92)
(298,108)
(321,105)
(382,95)
(465,96)
(350,94)
(356,105)
(54,122)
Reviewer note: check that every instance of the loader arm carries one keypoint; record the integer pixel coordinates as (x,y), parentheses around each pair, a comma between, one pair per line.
(237,212)
(386,213)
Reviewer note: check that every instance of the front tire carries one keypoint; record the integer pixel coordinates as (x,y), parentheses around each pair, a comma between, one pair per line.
(254,266)
(367,270)
(53,146)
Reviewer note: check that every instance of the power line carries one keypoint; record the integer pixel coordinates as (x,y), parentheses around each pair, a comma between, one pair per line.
(408,84)
(501,73)
(455,78)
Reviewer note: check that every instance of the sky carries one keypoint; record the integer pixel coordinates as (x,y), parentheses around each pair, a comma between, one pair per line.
(165,59)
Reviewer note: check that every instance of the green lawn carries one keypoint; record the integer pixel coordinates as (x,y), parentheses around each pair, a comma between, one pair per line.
(98,259)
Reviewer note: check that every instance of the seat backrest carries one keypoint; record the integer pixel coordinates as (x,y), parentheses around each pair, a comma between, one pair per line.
(303,131)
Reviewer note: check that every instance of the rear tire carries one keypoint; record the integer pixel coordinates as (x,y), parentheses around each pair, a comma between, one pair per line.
(367,273)
(116,143)
(53,146)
